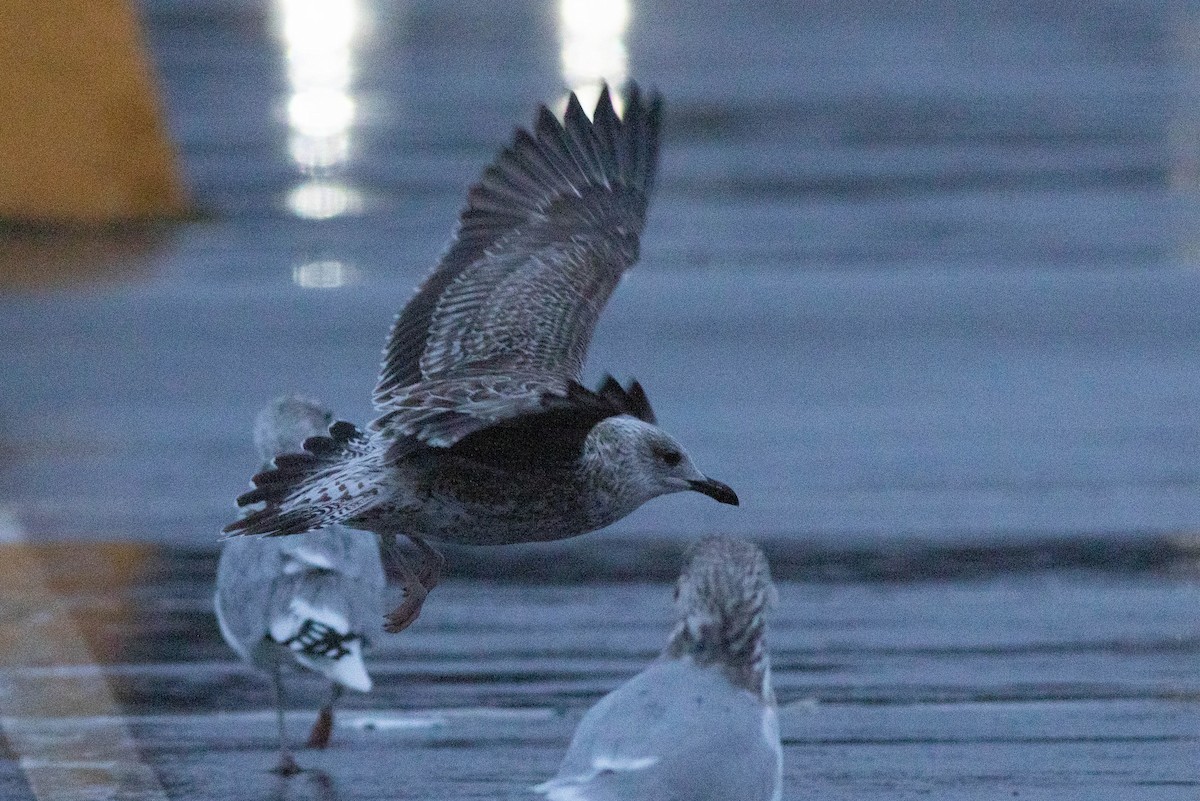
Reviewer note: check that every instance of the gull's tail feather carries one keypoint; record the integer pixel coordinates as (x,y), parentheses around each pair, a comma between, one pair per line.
(333,480)
(320,638)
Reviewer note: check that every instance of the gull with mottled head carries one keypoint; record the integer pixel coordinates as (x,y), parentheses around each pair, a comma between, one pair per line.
(700,723)
(485,433)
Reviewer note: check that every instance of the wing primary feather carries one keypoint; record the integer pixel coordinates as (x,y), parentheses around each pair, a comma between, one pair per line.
(579,131)
(639,404)
(632,131)
(648,168)
(629,400)
(607,129)
(554,147)
(526,157)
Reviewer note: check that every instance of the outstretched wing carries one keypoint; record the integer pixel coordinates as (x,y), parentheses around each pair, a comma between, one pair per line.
(544,239)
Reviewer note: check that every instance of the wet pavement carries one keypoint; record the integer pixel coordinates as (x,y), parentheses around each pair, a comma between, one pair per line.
(1034,684)
(920,283)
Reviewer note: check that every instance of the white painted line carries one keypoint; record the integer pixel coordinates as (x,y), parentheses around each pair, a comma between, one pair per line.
(386,722)
(360,719)
(60,764)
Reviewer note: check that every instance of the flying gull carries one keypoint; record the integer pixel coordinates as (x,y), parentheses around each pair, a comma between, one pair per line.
(314,600)
(700,723)
(485,435)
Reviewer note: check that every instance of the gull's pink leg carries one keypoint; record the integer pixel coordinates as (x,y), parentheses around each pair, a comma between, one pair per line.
(416,584)
(322,730)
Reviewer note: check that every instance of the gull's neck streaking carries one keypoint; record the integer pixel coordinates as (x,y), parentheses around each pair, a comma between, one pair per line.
(723,597)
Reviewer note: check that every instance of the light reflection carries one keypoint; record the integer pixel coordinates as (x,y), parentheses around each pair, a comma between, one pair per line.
(320,113)
(593,46)
(319,153)
(319,25)
(321,200)
(319,38)
(329,274)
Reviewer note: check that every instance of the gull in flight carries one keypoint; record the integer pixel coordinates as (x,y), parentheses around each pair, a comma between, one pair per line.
(485,434)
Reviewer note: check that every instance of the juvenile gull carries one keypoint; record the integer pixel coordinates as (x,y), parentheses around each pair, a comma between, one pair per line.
(313,600)
(485,435)
(699,724)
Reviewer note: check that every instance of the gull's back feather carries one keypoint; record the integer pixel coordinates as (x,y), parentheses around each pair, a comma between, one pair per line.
(674,731)
(269,589)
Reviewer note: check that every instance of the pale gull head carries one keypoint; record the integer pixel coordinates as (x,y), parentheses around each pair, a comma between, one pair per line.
(284,424)
(640,461)
(721,602)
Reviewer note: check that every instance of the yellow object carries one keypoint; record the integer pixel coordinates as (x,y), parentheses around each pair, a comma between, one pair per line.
(82,138)
(64,726)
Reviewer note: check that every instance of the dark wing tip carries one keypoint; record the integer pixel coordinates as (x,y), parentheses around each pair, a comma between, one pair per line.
(575,115)
(639,403)
(604,103)
(631,400)
(271,522)
(553,159)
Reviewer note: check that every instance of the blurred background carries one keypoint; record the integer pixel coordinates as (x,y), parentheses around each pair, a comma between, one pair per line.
(912,271)
(921,281)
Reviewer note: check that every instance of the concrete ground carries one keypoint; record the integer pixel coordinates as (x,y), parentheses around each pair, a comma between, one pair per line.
(919,283)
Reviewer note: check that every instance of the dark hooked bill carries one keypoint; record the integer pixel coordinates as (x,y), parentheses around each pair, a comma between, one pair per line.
(716,490)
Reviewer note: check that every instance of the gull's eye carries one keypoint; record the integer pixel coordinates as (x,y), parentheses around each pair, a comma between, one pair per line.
(672,458)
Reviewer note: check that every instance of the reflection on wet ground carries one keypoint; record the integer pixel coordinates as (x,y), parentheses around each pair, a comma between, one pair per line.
(41,258)
(1037,682)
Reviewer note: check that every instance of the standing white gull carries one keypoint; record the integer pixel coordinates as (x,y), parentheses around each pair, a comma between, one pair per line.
(314,600)
(485,435)
(700,723)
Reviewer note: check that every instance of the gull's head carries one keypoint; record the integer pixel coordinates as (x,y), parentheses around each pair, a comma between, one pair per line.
(286,422)
(722,599)
(724,578)
(652,462)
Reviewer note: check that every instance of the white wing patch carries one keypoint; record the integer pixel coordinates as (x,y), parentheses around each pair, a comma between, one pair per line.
(304,557)
(574,788)
(605,764)
(288,625)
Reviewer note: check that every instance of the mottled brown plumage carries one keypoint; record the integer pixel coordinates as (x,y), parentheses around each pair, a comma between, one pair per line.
(485,434)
